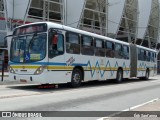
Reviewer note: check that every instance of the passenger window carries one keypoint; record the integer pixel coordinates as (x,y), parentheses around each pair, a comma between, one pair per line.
(148,56)
(72,43)
(118,51)
(145,55)
(152,57)
(109,49)
(125,52)
(141,55)
(99,48)
(87,45)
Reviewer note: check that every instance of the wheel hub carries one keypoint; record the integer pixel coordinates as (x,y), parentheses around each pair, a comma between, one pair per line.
(76,78)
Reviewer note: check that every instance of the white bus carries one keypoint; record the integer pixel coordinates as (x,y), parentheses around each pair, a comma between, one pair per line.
(50,53)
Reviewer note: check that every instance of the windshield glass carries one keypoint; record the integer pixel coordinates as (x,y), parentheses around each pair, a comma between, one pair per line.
(28,48)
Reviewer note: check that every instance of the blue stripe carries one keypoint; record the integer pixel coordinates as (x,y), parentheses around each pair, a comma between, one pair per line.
(79,64)
(48,63)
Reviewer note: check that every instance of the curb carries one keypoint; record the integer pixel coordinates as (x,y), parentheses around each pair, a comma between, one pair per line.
(7,82)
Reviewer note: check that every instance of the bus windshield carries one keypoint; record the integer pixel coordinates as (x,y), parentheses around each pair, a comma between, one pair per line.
(28,48)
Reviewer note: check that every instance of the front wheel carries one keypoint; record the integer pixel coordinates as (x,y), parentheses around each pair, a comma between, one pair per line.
(76,78)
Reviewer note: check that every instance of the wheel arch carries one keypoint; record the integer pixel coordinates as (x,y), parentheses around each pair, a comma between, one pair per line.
(120,68)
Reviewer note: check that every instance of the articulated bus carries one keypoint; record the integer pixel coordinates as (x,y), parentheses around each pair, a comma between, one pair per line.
(50,53)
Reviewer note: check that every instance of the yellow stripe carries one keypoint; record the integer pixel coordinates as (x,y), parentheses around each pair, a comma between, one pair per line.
(26,67)
(55,67)
(141,69)
(126,69)
(69,68)
(60,67)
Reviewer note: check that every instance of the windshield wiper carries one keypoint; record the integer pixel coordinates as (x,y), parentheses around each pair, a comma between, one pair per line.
(34,35)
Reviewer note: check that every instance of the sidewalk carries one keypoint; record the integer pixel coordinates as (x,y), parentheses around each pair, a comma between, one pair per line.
(152,106)
(6,80)
(146,111)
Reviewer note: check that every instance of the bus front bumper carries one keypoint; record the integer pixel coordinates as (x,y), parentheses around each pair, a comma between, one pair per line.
(28,79)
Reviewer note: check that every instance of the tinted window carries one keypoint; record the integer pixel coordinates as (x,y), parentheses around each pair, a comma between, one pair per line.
(87,45)
(72,43)
(99,48)
(125,52)
(118,51)
(109,49)
(148,57)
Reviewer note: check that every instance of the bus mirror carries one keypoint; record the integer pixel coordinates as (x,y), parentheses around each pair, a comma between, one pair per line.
(55,40)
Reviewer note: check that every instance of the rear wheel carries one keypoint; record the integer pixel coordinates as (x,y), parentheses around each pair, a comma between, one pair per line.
(119,76)
(76,78)
(146,76)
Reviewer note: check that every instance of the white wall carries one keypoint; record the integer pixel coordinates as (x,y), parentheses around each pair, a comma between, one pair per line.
(19,9)
(144,14)
(115,12)
(74,9)
(9,4)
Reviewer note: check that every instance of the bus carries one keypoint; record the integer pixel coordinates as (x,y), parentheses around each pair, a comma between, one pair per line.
(50,53)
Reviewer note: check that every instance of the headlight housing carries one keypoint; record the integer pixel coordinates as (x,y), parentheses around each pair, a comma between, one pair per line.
(11,70)
(40,70)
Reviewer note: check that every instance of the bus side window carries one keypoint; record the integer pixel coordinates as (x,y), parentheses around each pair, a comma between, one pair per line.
(87,45)
(149,56)
(109,49)
(139,54)
(145,55)
(154,57)
(142,55)
(99,48)
(118,51)
(125,52)
(72,43)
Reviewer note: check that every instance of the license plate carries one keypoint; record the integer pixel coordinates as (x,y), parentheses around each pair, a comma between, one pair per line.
(24,81)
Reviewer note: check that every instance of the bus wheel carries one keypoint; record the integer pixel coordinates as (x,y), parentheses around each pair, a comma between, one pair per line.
(76,78)
(119,76)
(147,75)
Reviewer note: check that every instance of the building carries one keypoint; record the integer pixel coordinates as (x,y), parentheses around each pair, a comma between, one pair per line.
(126,20)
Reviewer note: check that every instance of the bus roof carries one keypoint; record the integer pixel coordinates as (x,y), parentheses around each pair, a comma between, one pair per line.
(56,25)
(146,48)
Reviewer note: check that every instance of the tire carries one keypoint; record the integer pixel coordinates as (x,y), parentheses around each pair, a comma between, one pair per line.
(146,75)
(76,78)
(119,76)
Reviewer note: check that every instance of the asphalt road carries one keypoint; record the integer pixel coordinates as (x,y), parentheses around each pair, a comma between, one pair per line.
(92,96)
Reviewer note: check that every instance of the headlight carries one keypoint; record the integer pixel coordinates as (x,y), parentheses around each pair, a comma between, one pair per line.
(40,70)
(11,70)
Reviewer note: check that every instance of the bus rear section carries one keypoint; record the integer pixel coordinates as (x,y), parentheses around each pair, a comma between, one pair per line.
(143,62)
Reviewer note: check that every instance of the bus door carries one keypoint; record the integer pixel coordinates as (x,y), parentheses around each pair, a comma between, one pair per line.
(56,51)
(133,60)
